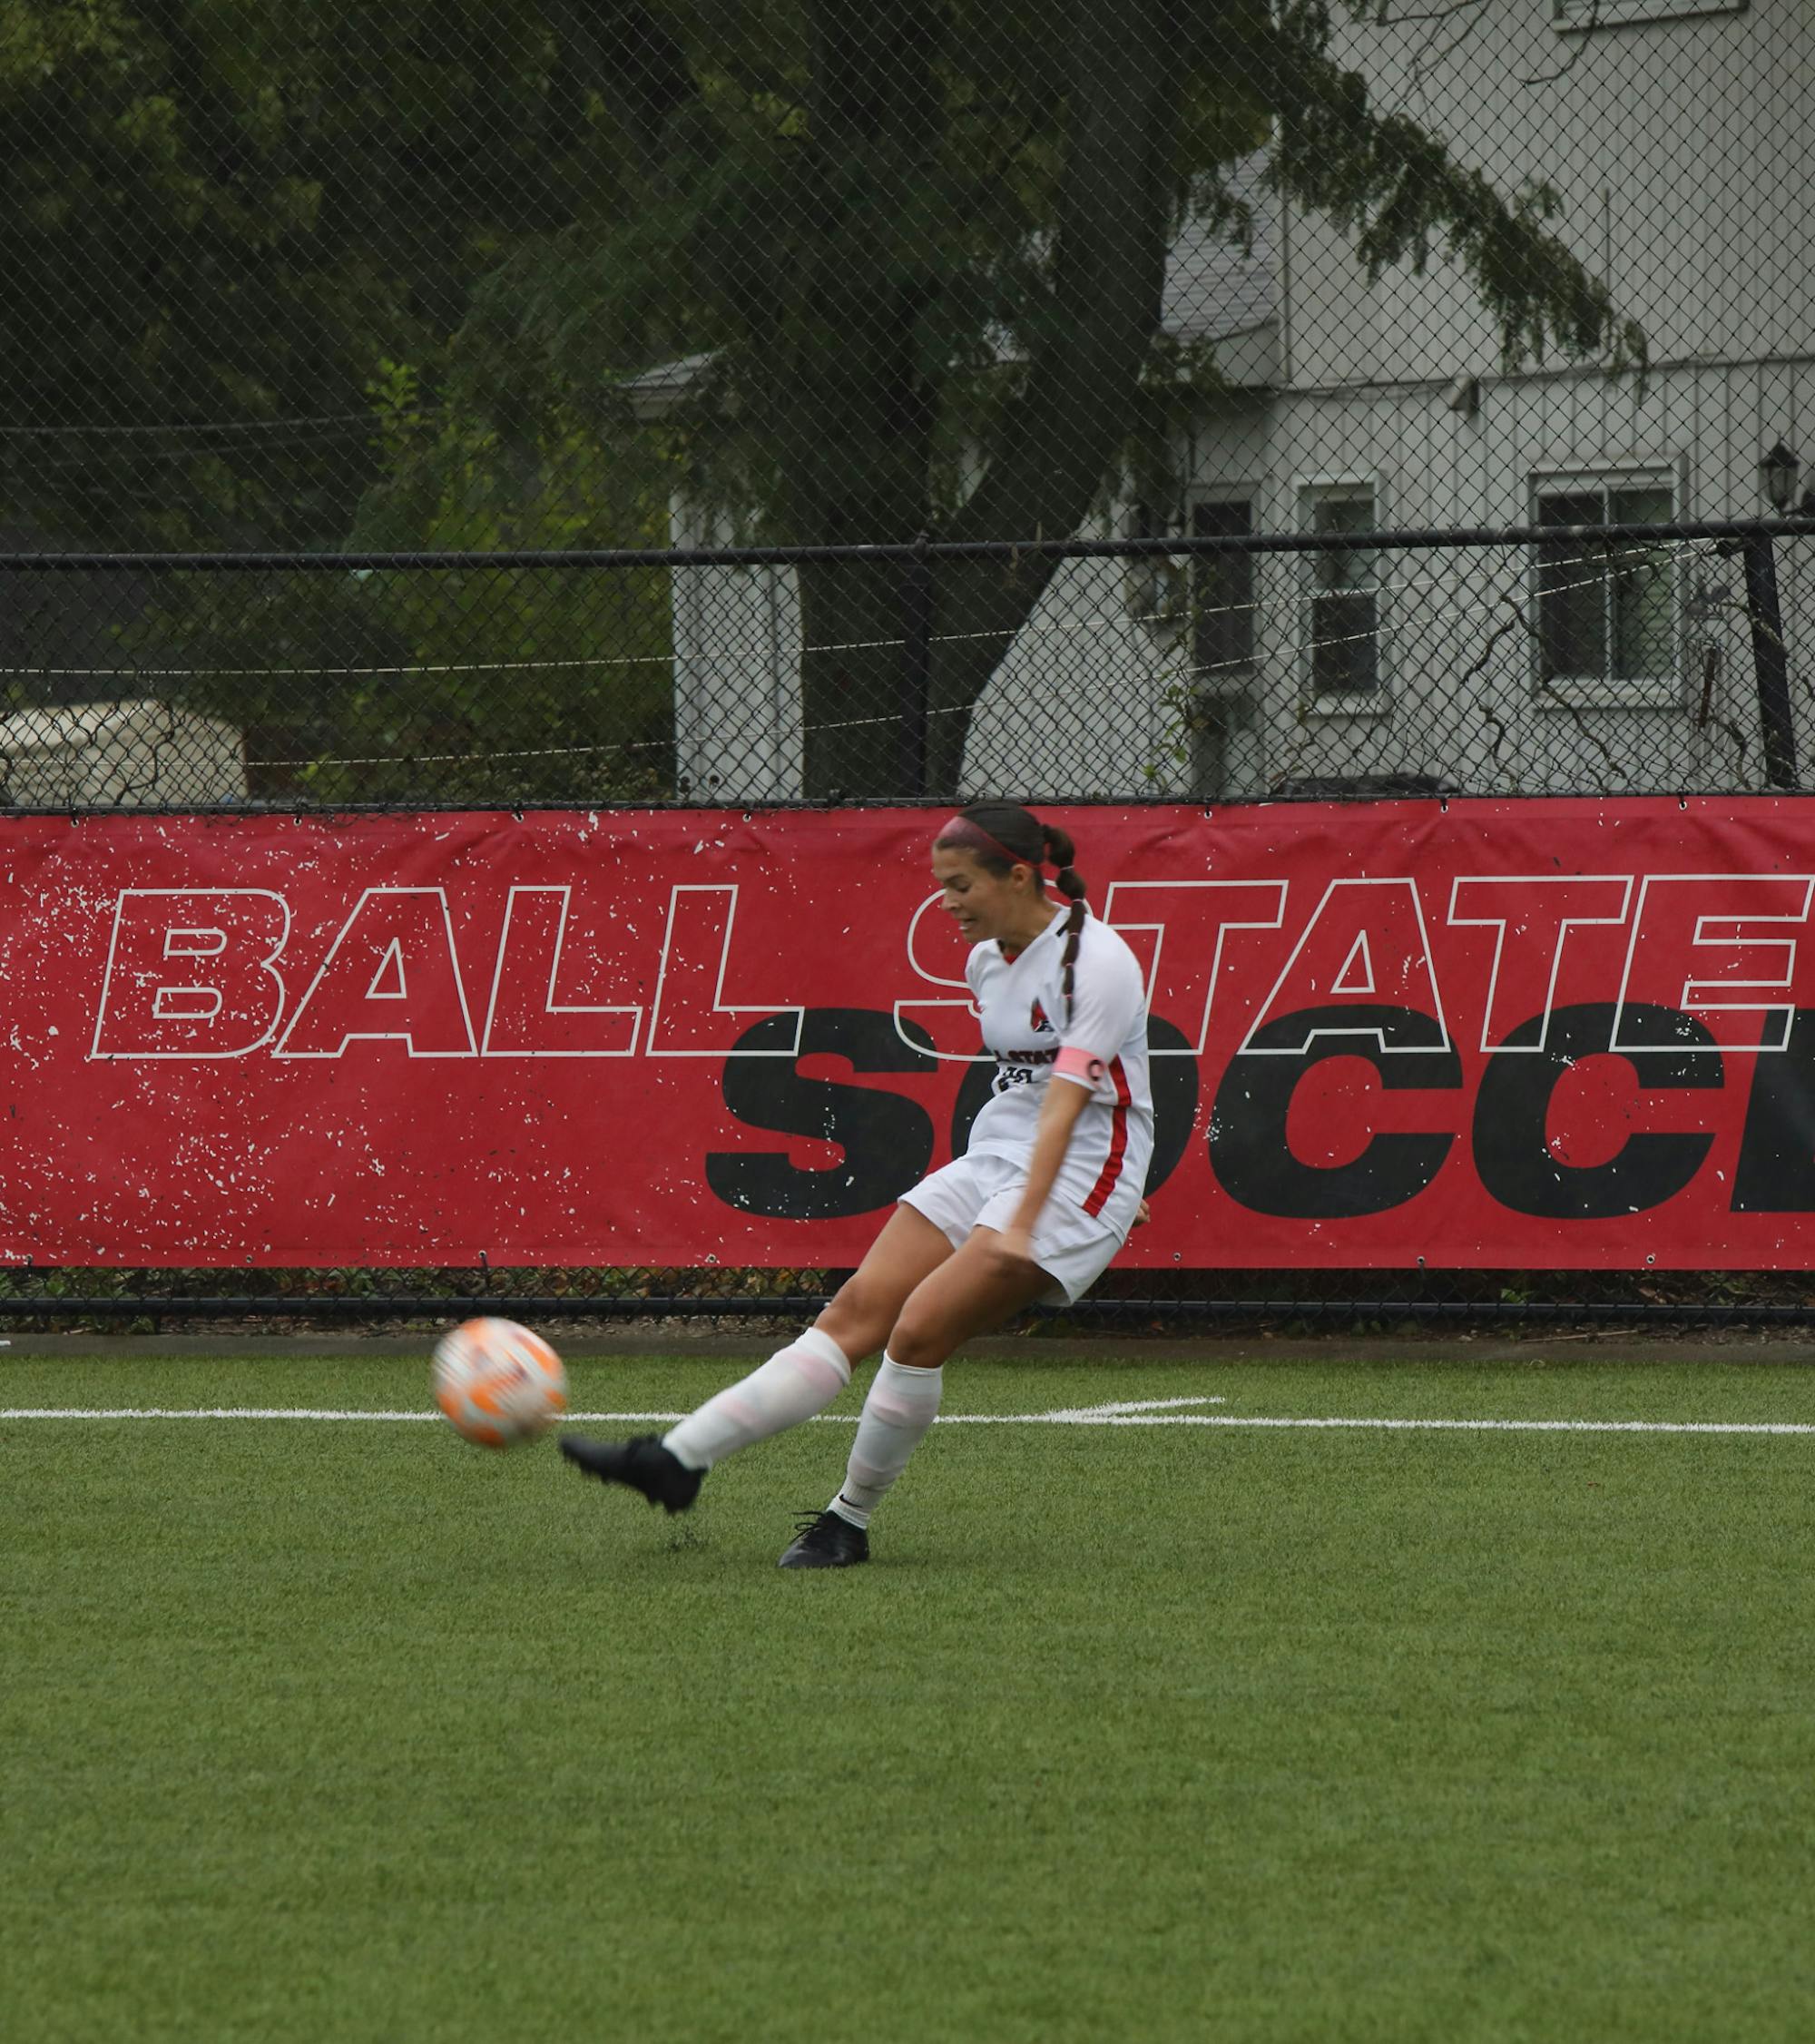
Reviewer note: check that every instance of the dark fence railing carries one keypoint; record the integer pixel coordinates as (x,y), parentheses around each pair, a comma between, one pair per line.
(1131,1302)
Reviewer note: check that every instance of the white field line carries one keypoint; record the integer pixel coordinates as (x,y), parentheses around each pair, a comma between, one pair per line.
(1083,1415)
(268,1412)
(1119,1415)
(1078,1416)
(1462,1426)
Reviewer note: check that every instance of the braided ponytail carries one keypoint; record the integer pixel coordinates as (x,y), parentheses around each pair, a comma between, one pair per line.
(1060,850)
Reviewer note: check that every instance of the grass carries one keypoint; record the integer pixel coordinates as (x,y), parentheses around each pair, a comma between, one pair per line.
(320,1731)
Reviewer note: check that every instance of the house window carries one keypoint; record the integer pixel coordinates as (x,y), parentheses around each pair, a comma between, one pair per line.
(1612,13)
(1342,621)
(1607,609)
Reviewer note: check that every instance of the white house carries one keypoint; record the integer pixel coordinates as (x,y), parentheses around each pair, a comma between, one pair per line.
(1677,135)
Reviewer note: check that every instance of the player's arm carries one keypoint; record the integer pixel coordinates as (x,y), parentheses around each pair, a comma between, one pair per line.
(1074,1080)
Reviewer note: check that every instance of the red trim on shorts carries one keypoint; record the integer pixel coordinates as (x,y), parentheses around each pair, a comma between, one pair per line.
(1118,1144)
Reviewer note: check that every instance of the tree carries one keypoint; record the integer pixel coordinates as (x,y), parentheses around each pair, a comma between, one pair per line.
(236,239)
(918,252)
(481,685)
(218,218)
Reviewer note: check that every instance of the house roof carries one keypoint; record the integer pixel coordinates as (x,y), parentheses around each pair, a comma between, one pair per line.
(653,391)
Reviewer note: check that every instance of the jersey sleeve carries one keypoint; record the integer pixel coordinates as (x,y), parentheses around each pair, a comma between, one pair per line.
(1107,1002)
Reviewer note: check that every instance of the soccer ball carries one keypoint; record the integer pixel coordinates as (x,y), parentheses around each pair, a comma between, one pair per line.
(498,1383)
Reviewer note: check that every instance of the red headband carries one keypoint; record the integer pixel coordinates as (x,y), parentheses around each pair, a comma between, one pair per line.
(962,831)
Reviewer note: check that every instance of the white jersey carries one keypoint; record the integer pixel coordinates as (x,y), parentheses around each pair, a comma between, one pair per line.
(1026,1026)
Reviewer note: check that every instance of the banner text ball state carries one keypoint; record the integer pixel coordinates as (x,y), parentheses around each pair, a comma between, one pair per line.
(1546,1034)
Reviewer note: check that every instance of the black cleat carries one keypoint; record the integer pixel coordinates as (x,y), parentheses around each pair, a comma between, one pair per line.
(824,1540)
(642,1464)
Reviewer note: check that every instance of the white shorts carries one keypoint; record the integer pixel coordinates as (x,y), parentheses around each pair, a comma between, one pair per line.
(983,1192)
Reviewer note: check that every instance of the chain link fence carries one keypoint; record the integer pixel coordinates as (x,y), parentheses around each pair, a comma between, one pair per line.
(520,272)
(513,402)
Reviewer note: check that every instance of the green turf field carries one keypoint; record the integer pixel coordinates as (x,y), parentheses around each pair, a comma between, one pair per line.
(342,1729)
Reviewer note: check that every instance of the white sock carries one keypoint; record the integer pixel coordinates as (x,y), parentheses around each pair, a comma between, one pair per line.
(796,1382)
(902,1404)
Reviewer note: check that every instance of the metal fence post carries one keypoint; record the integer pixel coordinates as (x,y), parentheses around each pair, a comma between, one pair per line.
(916,658)
(1769,660)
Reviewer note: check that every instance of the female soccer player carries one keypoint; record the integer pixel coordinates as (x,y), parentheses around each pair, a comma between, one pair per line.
(1045,1194)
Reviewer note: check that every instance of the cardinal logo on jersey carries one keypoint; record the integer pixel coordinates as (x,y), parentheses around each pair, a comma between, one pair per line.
(1037,1019)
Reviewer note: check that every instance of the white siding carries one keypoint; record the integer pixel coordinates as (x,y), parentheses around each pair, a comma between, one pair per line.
(1680,149)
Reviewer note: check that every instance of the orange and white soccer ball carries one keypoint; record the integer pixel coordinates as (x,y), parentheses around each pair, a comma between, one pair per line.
(498,1383)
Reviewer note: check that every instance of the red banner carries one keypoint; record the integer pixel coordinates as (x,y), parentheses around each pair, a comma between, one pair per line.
(1537,1034)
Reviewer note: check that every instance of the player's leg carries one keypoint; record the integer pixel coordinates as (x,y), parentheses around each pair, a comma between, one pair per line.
(973,1289)
(805,1376)
(796,1382)
(910,1249)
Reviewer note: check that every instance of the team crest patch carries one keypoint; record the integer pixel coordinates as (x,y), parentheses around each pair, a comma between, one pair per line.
(1037,1019)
